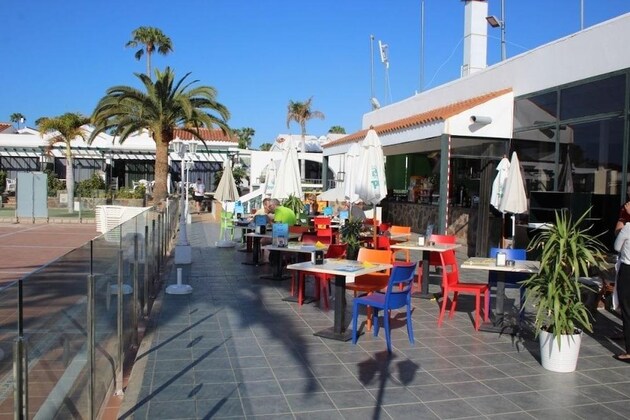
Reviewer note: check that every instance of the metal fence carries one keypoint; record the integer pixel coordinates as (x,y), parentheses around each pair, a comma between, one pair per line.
(67,328)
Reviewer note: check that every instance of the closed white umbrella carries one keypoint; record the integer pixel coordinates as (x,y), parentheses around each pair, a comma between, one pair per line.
(288,181)
(514,199)
(352,169)
(226,191)
(270,178)
(370,185)
(499,182)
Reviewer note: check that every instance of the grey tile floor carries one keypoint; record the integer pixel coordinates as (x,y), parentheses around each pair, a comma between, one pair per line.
(235,349)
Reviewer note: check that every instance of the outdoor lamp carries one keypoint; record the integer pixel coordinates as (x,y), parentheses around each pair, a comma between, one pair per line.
(495,22)
(341,176)
(179,147)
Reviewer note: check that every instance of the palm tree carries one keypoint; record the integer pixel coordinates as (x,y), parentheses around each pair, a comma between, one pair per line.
(167,105)
(64,129)
(265,147)
(150,40)
(301,112)
(244,135)
(18,118)
(337,129)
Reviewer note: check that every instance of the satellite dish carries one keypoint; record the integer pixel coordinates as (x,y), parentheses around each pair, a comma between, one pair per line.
(375,103)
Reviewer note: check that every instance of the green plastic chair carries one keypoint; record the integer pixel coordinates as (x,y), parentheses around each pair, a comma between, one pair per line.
(227,225)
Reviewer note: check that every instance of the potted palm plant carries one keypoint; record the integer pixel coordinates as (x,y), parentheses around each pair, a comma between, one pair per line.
(296,204)
(350,234)
(568,251)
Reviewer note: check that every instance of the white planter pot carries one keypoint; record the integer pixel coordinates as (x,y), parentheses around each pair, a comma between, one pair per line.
(559,359)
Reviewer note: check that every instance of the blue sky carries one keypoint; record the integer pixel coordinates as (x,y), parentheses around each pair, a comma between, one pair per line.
(61,56)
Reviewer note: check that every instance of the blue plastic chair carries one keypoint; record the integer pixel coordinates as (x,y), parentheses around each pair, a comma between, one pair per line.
(395,297)
(511,279)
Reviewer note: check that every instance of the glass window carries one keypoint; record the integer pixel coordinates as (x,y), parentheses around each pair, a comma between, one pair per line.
(538,161)
(537,110)
(592,98)
(596,155)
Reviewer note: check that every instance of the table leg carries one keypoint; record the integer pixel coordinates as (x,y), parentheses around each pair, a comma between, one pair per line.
(497,323)
(338,331)
(256,254)
(248,241)
(424,290)
(277,268)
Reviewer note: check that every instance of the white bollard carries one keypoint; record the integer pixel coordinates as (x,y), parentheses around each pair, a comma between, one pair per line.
(179,288)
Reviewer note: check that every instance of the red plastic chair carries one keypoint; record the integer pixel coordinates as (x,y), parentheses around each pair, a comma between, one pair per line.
(323,229)
(322,281)
(451,283)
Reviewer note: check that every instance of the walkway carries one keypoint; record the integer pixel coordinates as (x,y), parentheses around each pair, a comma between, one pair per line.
(234,349)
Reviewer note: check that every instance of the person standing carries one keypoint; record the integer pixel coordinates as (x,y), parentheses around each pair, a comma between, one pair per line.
(200,191)
(622,245)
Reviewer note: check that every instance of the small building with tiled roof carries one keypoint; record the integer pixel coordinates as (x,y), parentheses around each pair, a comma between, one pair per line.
(126,163)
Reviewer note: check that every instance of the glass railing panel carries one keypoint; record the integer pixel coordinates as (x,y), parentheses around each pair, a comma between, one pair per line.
(8,335)
(107,356)
(55,329)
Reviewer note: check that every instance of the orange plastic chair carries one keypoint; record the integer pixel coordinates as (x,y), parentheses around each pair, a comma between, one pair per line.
(322,281)
(400,230)
(373,282)
(451,283)
(323,229)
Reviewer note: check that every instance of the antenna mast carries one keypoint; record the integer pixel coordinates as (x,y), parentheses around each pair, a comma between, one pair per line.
(384,48)
(372,70)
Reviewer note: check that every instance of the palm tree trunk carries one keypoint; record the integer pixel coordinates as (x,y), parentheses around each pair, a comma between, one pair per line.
(70,180)
(149,65)
(161,168)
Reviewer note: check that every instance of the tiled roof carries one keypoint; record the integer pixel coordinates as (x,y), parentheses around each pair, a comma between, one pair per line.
(207,134)
(4,126)
(434,115)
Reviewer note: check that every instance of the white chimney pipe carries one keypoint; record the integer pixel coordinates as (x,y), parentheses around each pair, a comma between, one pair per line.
(475,36)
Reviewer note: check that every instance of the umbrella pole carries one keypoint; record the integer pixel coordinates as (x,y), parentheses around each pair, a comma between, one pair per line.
(502,245)
(375,230)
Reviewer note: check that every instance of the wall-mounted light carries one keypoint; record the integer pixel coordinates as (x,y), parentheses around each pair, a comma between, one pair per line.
(480,119)
(340,176)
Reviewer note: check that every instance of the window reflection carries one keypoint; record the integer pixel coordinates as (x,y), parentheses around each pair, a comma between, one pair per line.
(596,97)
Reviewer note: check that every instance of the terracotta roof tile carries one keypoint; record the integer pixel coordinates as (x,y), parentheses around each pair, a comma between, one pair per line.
(437,114)
(4,126)
(207,134)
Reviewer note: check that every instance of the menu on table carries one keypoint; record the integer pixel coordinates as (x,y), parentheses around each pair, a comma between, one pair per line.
(280,234)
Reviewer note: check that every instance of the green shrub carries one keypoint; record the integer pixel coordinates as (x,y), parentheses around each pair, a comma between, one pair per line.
(3,181)
(88,187)
(54,183)
(138,192)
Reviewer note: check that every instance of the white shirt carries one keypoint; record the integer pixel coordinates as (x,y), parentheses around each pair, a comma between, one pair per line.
(200,188)
(622,244)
